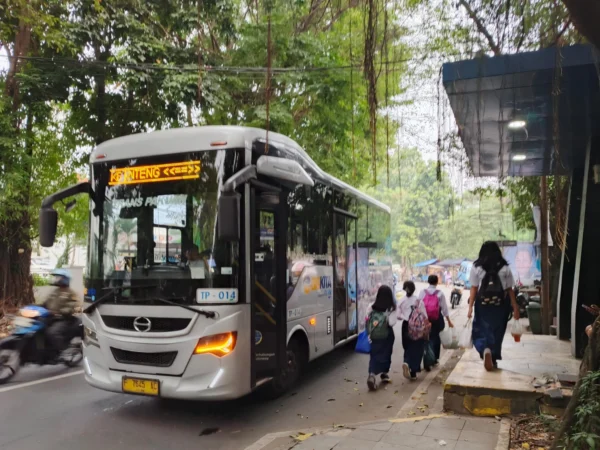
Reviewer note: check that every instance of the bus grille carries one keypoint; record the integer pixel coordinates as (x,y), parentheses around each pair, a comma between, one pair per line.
(158,324)
(164,359)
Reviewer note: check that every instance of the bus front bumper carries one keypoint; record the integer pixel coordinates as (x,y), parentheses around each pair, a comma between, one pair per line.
(205,378)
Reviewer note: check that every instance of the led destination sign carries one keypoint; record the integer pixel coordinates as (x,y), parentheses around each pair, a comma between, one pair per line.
(186,170)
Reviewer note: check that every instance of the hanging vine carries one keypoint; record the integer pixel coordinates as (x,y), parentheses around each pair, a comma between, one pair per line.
(352,100)
(371,77)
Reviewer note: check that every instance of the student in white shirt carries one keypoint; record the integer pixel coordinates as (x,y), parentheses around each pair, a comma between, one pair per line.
(437,322)
(492,303)
(413,349)
(381,317)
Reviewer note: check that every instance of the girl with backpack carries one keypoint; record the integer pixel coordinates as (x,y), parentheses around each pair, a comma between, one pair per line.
(380,320)
(437,309)
(493,296)
(415,327)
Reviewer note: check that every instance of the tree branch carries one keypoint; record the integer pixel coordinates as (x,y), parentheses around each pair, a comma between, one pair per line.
(480,27)
(585,14)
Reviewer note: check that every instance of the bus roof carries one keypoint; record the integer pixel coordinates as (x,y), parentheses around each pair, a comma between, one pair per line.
(189,139)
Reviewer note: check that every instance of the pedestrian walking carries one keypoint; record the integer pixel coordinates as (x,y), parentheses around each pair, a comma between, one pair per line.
(492,296)
(381,318)
(413,346)
(437,310)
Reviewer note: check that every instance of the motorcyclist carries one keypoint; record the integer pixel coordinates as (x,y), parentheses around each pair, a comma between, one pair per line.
(61,302)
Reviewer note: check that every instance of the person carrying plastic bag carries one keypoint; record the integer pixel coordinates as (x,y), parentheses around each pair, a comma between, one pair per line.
(415,327)
(492,297)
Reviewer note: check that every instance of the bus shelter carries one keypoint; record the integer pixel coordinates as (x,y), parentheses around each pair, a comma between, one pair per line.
(534,114)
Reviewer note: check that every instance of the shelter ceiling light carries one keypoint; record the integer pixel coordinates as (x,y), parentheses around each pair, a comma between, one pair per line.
(516,124)
(519,157)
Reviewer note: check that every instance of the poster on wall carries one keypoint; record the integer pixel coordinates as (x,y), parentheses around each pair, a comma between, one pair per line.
(351,276)
(524,261)
(363,291)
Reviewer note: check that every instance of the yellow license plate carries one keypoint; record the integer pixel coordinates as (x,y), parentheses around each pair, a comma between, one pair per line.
(141,386)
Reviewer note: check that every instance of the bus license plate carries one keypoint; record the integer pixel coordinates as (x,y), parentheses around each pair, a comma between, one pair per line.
(141,386)
(215,295)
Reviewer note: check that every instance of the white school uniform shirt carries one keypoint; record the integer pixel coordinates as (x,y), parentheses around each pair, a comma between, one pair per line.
(441,298)
(391,316)
(406,306)
(505,275)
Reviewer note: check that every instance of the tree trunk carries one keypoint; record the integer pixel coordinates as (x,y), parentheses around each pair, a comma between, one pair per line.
(546,305)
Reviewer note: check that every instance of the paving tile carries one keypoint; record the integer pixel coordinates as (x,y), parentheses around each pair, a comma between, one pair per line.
(483,425)
(442,433)
(420,442)
(354,444)
(416,428)
(443,422)
(367,435)
(379,426)
(388,446)
(478,436)
(321,442)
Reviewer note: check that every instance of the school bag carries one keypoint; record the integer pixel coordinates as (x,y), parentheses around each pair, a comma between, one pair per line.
(491,292)
(377,325)
(432,305)
(417,323)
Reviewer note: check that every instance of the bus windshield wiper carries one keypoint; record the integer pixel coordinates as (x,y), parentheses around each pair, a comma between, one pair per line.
(209,314)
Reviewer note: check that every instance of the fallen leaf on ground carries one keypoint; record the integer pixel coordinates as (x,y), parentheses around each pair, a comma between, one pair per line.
(356,389)
(360,404)
(525,445)
(442,443)
(211,430)
(411,413)
(331,399)
(389,406)
(302,436)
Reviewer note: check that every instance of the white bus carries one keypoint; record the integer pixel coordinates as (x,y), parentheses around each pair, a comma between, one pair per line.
(219,261)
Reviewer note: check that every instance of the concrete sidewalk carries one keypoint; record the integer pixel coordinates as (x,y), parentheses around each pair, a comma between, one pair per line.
(423,433)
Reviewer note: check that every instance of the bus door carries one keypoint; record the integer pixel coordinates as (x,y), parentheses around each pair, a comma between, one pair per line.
(268,272)
(345,286)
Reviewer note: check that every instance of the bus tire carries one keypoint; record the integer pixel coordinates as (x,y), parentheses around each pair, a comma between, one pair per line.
(287,378)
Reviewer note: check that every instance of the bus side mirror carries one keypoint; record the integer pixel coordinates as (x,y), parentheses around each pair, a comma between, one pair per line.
(48,223)
(229,217)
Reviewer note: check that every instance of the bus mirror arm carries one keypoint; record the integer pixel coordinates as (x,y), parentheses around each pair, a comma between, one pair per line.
(229,205)
(243,176)
(49,216)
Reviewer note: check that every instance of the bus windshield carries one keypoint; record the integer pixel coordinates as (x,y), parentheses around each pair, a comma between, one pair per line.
(156,224)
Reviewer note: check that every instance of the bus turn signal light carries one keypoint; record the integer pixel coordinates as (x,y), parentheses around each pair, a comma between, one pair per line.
(217,344)
(313,321)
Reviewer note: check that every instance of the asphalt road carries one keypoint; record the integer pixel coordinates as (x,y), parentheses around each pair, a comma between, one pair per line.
(54,408)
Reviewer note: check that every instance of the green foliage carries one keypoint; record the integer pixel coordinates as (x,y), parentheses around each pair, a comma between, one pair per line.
(39,280)
(585,432)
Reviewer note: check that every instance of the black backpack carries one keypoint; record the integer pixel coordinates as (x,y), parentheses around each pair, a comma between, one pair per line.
(491,292)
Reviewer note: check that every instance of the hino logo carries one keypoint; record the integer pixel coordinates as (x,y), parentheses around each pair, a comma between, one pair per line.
(142,324)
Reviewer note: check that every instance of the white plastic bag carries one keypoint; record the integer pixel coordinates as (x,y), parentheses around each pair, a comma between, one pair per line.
(449,338)
(466,336)
(516,330)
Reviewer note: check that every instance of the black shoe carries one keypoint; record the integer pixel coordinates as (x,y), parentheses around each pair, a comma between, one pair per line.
(427,368)
(385,378)
(372,382)
(413,376)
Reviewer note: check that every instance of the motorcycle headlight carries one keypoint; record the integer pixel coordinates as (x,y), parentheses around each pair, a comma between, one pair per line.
(29,313)
(89,335)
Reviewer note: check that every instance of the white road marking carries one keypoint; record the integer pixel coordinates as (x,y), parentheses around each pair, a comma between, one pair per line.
(43,380)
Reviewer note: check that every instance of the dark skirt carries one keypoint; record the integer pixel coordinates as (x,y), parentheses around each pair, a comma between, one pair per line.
(413,350)
(381,354)
(434,335)
(489,327)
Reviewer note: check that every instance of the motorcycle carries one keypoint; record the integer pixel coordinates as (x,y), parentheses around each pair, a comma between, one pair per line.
(456,295)
(28,342)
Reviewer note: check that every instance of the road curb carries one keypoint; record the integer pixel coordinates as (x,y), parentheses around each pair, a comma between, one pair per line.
(504,435)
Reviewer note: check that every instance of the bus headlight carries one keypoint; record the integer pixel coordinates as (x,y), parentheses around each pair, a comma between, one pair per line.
(217,344)
(89,335)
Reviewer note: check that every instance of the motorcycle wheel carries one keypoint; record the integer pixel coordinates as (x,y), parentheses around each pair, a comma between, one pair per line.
(73,355)
(10,361)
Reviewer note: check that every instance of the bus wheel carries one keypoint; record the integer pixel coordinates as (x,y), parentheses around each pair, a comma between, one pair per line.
(288,377)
